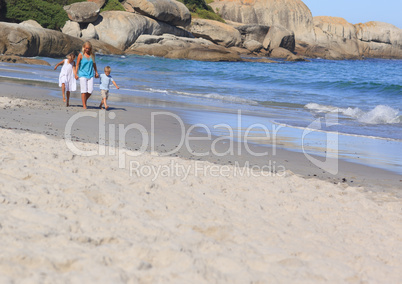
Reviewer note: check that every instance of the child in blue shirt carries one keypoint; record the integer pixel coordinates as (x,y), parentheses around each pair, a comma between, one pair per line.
(105,80)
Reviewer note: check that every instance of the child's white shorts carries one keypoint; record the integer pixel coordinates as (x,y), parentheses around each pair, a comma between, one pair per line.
(87,85)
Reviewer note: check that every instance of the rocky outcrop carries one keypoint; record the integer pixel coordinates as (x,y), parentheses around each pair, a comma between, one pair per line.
(253,32)
(280,52)
(22,60)
(89,32)
(253,45)
(72,29)
(283,53)
(170,46)
(279,37)
(335,38)
(381,40)
(168,11)
(216,32)
(28,41)
(294,15)
(83,12)
(121,29)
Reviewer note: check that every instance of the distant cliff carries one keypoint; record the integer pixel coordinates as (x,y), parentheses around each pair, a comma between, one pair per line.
(325,37)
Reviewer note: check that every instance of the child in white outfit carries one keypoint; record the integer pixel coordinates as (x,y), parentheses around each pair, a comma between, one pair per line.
(67,80)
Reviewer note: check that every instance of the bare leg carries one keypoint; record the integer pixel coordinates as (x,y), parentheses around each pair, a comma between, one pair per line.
(87,95)
(106,107)
(84,101)
(68,98)
(101,104)
(63,90)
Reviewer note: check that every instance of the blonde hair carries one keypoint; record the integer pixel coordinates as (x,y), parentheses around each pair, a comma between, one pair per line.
(71,56)
(108,69)
(87,43)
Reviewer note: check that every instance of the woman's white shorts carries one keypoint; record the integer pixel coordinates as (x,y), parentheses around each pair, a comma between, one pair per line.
(87,85)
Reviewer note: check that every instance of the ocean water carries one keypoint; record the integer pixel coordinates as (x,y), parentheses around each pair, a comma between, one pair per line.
(365,96)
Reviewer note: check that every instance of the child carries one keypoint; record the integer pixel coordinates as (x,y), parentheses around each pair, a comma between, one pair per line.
(67,80)
(86,71)
(105,80)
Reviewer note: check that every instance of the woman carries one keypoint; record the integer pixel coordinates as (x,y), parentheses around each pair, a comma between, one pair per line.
(86,71)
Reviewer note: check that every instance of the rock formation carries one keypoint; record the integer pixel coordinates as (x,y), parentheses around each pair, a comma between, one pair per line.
(83,12)
(168,11)
(253,45)
(253,27)
(16,39)
(216,32)
(381,40)
(293,15)
(72,29)
(278,36)
(121,29)
(253,32)
(335,38)
(28,41)
(171,46)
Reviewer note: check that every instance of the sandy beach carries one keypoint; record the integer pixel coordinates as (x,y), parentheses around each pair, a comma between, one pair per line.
(69,218)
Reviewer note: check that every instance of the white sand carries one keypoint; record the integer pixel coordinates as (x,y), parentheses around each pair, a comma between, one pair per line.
(73,219)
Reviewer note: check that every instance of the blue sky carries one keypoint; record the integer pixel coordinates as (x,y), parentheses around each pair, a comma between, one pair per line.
(359,11)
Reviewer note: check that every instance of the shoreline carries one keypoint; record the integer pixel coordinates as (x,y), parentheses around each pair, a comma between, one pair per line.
(166,133)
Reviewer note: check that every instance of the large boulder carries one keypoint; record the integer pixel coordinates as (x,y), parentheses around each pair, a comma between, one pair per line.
(336,35)
(279,37)
(253,45)
(17,39)
(171,46)
(378,39)
(71,28)
(291,14)
(318,51)
(89,32)
(280,52)
(253,32)
(168,11)
(216,32)
(121,29)
(29,41)
(83,12)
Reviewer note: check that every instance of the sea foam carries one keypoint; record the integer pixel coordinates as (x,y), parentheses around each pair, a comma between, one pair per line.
(381,114)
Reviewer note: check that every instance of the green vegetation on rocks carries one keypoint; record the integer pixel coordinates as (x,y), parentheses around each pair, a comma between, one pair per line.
(113,5)
(200,9)
(48,13)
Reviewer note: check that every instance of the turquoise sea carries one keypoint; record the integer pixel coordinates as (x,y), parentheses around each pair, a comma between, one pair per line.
(365,97)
